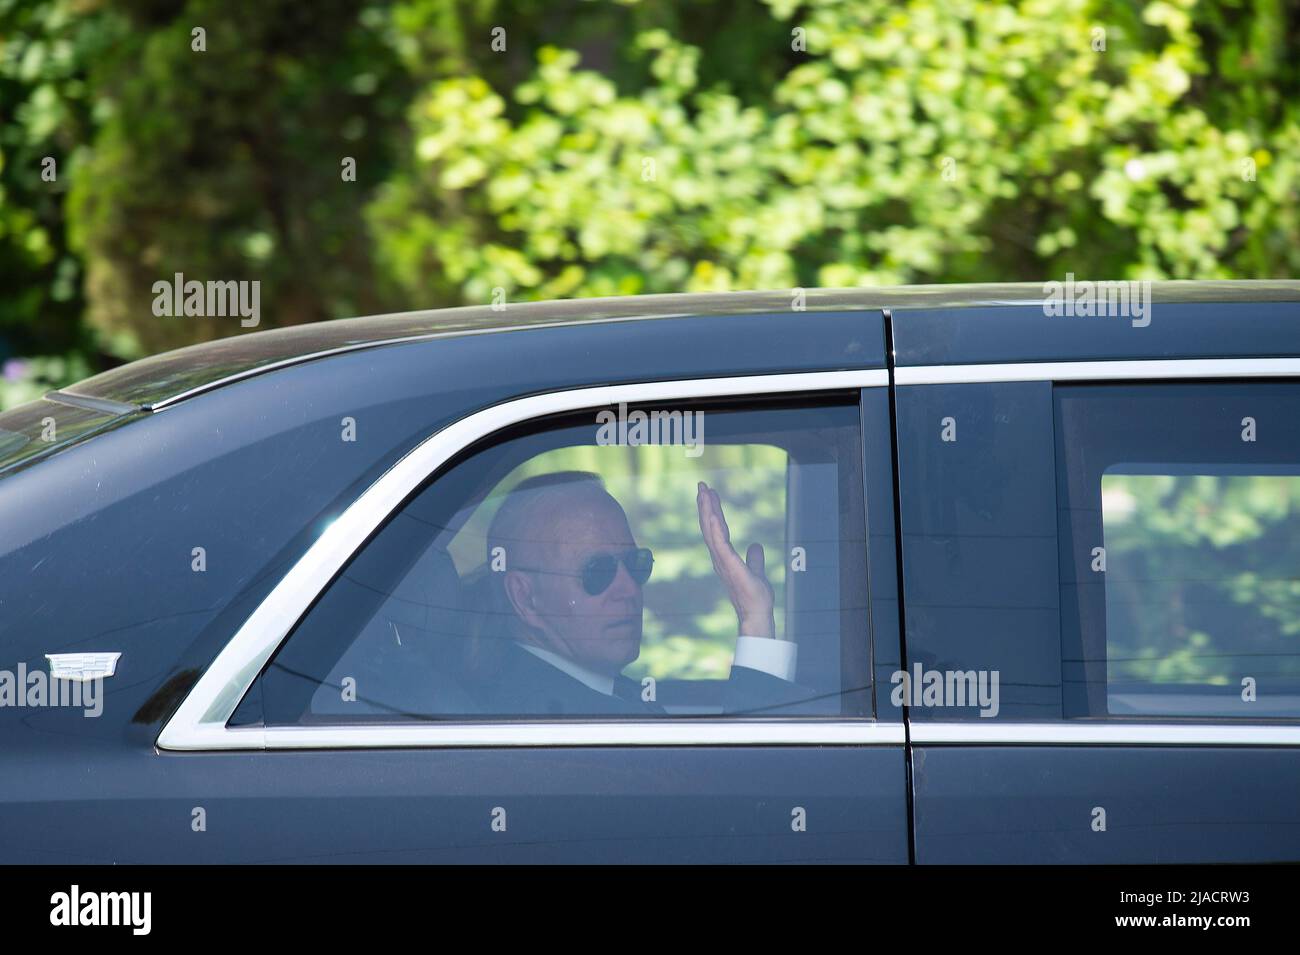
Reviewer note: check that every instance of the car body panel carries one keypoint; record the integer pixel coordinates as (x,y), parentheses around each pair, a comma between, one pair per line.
(571,805)
(954,336)
(1038,804)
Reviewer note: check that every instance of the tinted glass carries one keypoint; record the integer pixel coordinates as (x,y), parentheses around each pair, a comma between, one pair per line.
(1180,524)
(699,561)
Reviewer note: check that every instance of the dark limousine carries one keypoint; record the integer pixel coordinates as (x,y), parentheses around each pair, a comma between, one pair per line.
(919,575)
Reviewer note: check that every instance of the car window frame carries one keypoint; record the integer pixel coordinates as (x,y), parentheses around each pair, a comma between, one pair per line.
(803,428)
(201,721)
(1087,634)
(1178,731)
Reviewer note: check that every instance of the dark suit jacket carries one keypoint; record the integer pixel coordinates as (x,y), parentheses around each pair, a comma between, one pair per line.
(524,684)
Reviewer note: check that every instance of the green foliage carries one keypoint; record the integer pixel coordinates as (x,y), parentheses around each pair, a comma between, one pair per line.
(45,111)
(618,146)
(919,141)
(227,163)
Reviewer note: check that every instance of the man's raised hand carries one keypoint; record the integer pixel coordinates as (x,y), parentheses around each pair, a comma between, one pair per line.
(746,580)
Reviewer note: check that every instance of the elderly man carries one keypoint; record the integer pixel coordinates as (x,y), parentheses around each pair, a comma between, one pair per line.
(571,595)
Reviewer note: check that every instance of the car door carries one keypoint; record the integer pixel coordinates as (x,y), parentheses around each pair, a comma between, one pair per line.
(359,714)
(1100,564)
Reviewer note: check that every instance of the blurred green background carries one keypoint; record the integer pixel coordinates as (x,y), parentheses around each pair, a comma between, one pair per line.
(563,148)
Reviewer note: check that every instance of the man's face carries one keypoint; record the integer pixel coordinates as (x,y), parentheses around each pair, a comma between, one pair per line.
(601,631)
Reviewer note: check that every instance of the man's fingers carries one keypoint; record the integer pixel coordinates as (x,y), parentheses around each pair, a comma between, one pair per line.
(717,535)
(704,503)
(745,579)
(699,507)
(722,519)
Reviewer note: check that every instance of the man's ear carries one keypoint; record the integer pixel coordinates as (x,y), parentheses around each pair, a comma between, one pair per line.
(519,591)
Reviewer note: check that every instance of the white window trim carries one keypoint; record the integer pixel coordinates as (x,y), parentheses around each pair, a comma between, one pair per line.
(1090,733)
(1154,369)
(200,721)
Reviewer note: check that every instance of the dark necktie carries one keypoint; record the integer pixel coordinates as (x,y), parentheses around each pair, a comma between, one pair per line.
(626,688)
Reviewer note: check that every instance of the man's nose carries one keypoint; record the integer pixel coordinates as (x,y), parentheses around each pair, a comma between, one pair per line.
(623,585)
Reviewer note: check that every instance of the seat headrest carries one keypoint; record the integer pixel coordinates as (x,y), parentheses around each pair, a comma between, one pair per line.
(430,588)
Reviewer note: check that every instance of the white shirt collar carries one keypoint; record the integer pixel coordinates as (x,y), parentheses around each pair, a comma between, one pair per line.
(599,682)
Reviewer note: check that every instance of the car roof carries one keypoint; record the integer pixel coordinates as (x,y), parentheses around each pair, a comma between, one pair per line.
(164,379)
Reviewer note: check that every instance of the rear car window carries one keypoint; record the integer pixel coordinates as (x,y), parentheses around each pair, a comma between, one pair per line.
(1180,522)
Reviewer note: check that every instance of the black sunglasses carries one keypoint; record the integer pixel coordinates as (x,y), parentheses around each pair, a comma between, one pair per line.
(600,570)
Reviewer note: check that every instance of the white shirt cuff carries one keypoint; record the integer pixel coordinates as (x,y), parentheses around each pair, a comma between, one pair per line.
(771,656)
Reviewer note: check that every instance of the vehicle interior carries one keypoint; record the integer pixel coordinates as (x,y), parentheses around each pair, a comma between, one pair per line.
(421,608)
